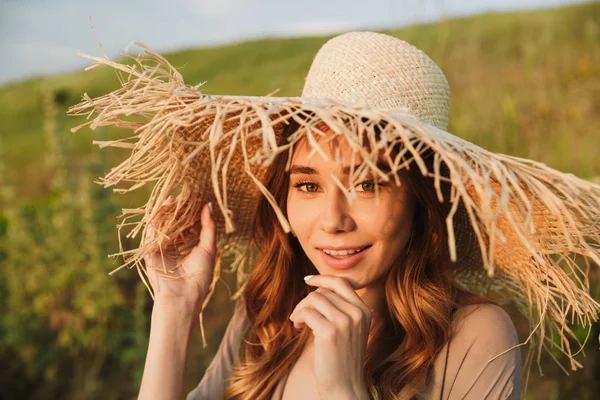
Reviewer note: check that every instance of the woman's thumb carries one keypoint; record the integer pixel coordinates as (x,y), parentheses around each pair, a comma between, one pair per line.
(207,230)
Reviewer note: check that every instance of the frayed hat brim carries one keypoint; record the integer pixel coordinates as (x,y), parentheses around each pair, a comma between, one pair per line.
(532,226)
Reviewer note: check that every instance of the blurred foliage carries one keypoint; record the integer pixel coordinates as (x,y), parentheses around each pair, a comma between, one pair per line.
(526,84)
(57,304)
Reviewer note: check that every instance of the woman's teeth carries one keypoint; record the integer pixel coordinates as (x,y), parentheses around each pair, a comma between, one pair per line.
(343,252)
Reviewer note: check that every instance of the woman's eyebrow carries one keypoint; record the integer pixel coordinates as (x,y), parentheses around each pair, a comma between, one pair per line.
(303,169)
(382,166)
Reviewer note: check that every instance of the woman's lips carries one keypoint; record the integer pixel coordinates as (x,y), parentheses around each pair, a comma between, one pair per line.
(346,262)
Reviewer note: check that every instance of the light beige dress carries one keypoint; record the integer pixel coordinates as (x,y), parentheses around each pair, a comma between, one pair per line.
(460,371)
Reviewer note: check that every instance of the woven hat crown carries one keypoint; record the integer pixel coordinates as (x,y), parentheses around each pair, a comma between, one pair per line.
(369,68)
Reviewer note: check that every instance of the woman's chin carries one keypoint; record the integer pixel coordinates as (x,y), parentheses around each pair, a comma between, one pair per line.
(349,274)
(354,281)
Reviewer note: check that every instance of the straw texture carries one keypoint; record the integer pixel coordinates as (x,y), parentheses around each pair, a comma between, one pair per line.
(523,230)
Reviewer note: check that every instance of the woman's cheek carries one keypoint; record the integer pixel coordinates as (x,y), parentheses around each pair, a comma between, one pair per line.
(299,217)
(376,219)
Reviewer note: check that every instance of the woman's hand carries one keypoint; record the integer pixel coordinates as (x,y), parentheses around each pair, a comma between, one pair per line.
(191,283)
(340,322)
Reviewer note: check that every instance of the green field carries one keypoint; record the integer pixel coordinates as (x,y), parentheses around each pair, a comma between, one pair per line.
(525,84)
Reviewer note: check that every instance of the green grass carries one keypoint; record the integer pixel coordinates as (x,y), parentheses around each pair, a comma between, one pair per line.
(526,84)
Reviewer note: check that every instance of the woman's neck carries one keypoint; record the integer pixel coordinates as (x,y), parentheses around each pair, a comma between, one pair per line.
(374,297)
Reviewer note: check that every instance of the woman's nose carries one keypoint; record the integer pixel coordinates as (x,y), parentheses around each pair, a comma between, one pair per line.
(335,216)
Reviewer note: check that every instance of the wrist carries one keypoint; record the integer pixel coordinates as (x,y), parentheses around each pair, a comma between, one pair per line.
(173,311)
(181,304)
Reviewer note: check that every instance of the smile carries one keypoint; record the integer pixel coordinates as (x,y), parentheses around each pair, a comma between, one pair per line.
(343,252)
(344,259)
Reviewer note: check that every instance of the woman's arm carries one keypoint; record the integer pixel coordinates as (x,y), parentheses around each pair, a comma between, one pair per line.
(178,299)
(217,376)
(170,330)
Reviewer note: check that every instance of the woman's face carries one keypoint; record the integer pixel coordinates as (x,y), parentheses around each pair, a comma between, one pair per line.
(323,220)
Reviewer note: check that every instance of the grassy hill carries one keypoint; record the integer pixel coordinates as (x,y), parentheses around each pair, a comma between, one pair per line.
(526,84)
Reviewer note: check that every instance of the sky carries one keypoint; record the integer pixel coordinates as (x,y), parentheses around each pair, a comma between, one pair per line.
(40,37)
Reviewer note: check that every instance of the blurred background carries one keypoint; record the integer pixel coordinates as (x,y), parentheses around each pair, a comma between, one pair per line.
(525,80)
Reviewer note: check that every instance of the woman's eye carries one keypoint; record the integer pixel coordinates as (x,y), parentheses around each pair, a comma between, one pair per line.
(308,187)
(367,186)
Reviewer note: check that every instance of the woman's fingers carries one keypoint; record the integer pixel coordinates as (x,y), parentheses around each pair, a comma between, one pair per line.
(205,251)
(156,260)
(319,296)
(207,229)
(320,325)
(324,305)
(162,210)
(339,285)
(336,300)
(160,261)
(355,313)
(333,307)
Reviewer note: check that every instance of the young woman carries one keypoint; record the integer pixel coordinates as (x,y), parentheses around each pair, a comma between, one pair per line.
(367,220)
(386,320)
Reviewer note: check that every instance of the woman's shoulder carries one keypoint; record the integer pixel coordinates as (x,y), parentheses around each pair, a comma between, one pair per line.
(481,359)
(483,321)
(479,312)
(483,332)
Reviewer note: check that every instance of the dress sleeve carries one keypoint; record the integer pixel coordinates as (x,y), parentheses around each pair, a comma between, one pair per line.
(467,368)
(213,383)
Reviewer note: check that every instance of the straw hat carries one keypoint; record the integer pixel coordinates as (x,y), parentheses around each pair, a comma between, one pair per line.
(528,223)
